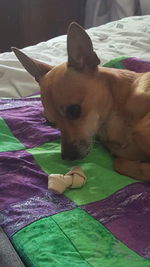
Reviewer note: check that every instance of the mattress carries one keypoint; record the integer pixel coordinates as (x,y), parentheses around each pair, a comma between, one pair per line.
(127,37)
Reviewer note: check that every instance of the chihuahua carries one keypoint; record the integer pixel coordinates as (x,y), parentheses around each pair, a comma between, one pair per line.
(85,100)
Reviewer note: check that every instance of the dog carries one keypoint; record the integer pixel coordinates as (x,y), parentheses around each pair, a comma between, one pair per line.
(85,100)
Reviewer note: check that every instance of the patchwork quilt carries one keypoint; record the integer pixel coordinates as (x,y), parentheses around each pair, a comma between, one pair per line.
(105,223)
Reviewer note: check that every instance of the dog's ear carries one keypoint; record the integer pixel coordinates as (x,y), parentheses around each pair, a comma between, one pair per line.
(80,48)
(36,68)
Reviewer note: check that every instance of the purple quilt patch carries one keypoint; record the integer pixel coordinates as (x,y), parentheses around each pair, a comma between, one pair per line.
(17,103)
(126,214)
(20,214)
(136,64)
(20,177)
(29,126)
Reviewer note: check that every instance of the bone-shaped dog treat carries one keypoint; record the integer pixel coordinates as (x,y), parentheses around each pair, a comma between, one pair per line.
(73,179)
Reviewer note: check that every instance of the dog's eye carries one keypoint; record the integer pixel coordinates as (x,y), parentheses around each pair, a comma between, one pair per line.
(73,112)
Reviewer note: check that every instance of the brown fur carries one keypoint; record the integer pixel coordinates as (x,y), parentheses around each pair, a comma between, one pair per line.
(115,105)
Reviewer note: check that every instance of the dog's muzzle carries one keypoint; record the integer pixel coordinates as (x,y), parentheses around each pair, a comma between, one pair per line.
(75,150)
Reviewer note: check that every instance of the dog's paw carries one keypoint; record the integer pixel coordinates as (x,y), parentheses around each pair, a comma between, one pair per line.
(135,169)
(127,167)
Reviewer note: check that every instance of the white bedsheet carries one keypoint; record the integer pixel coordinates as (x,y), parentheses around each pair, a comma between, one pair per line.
(129,37)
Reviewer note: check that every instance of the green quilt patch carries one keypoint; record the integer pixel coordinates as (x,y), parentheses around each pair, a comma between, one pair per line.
(45,243)
(73,238)
(115,63)
(8,142)
(102,180)
(94,242)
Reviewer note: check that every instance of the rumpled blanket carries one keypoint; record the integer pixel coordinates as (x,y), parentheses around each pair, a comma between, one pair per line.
(105,223)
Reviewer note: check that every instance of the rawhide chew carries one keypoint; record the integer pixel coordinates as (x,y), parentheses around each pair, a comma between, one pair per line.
(72,179)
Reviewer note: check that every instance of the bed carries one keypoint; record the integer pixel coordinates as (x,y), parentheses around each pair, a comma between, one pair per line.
(104,223)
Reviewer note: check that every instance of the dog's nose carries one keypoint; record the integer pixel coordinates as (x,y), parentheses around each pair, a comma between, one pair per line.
(75,150)
(70,152)
(70,156)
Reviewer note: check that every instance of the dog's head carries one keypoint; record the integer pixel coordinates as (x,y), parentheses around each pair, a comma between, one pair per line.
(71,94)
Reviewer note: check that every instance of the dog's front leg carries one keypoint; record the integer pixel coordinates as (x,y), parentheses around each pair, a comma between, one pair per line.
(135,169)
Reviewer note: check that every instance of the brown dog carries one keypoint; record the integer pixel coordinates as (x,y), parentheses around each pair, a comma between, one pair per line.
(85,100)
